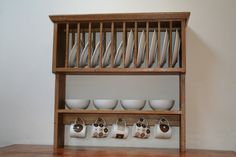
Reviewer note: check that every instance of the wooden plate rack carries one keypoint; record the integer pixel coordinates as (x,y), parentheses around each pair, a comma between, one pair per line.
(95,27)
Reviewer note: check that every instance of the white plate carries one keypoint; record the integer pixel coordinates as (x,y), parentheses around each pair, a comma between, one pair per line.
(84,57)
(153,49)
(176,48)
(164,49)
(107,55)
(117,59)
(72,56)
(95,57)
(129,49)
(141,49)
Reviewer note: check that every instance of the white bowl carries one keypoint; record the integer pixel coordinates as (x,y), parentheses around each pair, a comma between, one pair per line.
(161,104)
(109,104)
(77,103)
(133,104)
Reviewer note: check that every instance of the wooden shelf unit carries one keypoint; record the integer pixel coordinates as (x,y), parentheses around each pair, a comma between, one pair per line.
(83,28)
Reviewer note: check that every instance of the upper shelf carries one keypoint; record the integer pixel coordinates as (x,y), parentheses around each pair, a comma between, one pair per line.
(133,43)
(121,17)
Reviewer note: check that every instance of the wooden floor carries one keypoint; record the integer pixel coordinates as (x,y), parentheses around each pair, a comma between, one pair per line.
(48,151)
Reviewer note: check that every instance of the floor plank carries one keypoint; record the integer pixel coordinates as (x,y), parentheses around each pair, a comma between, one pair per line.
(48,151)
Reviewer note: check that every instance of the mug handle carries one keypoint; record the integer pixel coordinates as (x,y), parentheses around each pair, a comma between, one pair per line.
(119,121)
(100,119)
(78,119)
(163,120)
(144,121)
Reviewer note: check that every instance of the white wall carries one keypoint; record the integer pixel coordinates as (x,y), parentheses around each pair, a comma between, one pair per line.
(27,85)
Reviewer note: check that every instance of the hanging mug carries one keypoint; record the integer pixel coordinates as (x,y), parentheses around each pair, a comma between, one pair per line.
(99,128)
(119,129)
(141,129)
(78,128)
(163,129)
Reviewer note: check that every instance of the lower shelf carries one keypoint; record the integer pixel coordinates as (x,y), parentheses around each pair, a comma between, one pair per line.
(131,116)
(138,112)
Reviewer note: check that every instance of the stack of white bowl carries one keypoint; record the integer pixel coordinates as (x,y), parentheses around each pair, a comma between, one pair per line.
(127,104)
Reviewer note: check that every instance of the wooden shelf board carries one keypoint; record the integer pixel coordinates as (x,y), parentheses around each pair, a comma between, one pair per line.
(121,17)
(111,117)
(134,112)
(126,71)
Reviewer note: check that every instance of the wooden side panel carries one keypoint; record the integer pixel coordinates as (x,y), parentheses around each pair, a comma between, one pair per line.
(55,41)
(67,45)
(59,104)
(183,46)
(182,108)
(60,47)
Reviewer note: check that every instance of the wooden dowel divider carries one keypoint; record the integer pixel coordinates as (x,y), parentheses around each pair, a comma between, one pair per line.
(112,43)
(147,43)
(104,42)
(170,47)
(159,45)
(124,42)
(115,36)
(89,44)
(135,43)
(78,47)
(101,44)
(67,45)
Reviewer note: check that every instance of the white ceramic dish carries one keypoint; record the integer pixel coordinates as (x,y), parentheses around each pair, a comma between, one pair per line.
(129,49)
(141,49)
(176,48)
(77,103)
(117,59)
(108,104)
(133,104)
(161,104)
(72,54)
(153,49)
(107,55)
(95,57)
(84,56)
(164,49)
